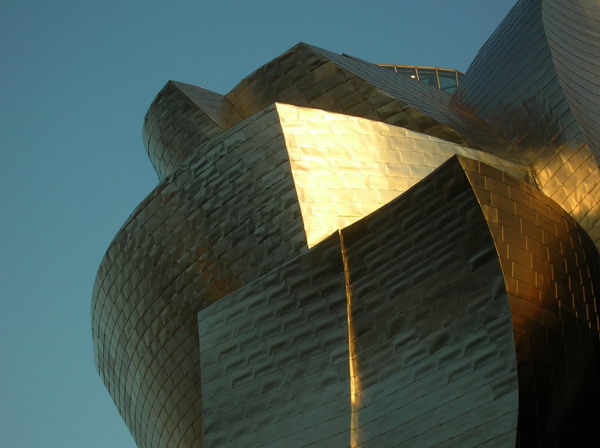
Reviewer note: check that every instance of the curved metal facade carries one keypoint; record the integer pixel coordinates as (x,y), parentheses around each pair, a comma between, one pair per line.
(340,256)
(535,82)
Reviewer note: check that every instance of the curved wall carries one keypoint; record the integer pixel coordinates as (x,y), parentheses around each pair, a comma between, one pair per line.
(514,86)
(469,286)
(471,317)
(552,274)
(201,234)
(431,323)
(179,119)
(573,33)
(243,202)
(274,358)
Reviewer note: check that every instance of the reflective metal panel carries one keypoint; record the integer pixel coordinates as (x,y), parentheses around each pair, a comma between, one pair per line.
(521,84)
(337,255)
(180,118)
(274,358)
(312,77)
(434,345)
(552,275)
(346,167)
(574,40)
(181,250)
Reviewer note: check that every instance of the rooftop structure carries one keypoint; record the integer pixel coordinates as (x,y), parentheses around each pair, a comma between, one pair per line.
(445,79)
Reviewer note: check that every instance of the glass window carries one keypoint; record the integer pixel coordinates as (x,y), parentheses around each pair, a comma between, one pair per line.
(427,76)
(407,71)
(447,80)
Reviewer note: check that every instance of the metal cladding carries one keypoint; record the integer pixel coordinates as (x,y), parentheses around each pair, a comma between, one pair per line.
(338,255)
(536,83)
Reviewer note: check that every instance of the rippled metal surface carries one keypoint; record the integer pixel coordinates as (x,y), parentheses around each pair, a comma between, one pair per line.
(535,82)
(346,167)
(340,256)
(573,32)
(274,358)
(552,274)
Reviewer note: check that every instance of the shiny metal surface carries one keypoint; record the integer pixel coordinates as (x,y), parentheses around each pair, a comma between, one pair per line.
(346,167)
(552,276)
(274,358)
(312,77)
(457,336)
(180,118)
(435,350)
(339,256)
(534,82)
(572,28)
(180,251)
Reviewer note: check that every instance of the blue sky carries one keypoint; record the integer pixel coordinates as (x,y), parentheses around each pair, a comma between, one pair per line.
(76,80)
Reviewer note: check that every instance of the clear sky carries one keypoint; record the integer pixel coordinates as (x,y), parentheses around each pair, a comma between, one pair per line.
(76,78)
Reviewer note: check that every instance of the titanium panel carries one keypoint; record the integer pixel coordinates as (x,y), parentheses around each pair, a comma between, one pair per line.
(552,275)
(514,85)
(181,250)
(311,77)
(274,358)
(346,167)
(462,285)
(573,32)
(431,323)
(180,118)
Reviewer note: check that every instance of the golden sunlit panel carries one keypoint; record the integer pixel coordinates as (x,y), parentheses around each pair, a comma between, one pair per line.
(352,357)
(345,166)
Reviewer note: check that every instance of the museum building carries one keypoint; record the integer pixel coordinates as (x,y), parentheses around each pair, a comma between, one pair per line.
(346,254)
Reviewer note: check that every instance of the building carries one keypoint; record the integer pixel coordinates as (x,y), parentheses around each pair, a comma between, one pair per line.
(337,255)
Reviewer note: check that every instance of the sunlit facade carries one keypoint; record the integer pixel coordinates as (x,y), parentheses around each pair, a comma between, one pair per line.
(338,254)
